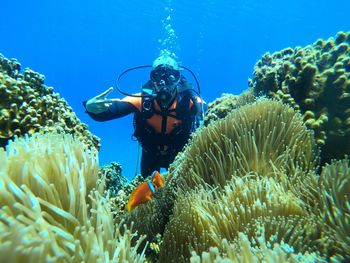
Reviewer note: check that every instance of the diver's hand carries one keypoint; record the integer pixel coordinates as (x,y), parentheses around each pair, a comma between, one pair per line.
(99,103)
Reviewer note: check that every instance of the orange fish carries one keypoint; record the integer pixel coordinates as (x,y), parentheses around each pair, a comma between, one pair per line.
(144,191)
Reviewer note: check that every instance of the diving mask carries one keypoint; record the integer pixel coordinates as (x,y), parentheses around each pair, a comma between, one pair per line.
(165,76)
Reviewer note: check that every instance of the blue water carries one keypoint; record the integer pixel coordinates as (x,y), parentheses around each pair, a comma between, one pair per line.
(81,46)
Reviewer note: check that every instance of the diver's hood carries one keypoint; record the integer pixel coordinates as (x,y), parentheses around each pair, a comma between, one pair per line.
(165,75)
(165,61)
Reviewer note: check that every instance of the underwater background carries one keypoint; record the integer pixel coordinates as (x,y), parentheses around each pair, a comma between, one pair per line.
(266,179)
(82,46)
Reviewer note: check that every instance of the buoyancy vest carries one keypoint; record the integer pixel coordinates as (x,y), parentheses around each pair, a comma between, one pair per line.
(166,131)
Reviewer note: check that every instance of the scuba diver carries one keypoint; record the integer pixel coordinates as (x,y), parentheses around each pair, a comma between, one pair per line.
(166,112)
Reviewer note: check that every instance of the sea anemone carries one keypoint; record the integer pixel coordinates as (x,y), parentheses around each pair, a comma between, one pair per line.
(50,209)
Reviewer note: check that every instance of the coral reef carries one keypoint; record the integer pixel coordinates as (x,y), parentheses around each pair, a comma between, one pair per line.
(266,140)
(28,106)
(315,80)
(222,106)
(258,138)
(203,218)
(50,210)
(112,175)
(248,187)
(224,190)
(334,200)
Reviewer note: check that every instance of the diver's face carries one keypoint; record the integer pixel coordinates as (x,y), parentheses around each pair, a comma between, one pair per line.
(165,82)
(165,76)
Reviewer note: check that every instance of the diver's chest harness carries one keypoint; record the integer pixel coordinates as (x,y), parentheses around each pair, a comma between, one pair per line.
(163,142)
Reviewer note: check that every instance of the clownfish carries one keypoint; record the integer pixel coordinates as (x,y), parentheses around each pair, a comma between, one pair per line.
(144,191)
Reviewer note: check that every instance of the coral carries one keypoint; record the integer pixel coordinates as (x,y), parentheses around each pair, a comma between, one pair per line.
(28,106)
(315,80)
(112,175)
(259,138)
(222,106)
(50,209)
(204,217)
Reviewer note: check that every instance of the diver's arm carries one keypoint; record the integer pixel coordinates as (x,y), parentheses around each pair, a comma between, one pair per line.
(102,109)
(115,109)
